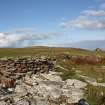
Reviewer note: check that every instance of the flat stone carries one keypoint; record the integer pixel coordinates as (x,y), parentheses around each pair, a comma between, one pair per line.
(22,102)
(3,103)
(52,77)
(75,83)
(41,101)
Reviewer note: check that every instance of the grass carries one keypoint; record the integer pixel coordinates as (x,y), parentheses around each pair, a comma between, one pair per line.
(68,75)
(66,70)
(88,70)
(93,71)
(95,95)
(101,80)
(37,51)
(65,74)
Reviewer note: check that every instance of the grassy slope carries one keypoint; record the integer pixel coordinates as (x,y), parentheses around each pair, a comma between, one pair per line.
(33,51)
(88,70)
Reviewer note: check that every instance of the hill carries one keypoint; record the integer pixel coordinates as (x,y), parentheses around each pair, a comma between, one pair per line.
(87,44)
(46,51)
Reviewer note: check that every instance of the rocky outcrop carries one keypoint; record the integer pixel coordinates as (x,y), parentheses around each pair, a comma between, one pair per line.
(44,89)
(98,49)
(33,82)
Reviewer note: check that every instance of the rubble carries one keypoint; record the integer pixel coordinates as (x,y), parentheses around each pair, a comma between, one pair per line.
(32,81)
(10,69)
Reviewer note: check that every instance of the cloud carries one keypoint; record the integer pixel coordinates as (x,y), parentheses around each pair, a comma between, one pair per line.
(23,30)
(15,40)
(94,12)
(88,19)
(84,23)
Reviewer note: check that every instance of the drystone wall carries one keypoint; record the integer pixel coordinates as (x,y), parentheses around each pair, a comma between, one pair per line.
(11,69)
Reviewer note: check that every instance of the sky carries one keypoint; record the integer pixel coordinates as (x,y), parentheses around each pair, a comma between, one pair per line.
(50,22)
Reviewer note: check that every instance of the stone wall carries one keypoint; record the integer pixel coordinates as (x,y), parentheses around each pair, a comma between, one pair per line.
(12,69)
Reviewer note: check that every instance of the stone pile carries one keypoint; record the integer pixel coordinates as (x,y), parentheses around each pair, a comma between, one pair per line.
(44,89)
(10,69)
(31,81)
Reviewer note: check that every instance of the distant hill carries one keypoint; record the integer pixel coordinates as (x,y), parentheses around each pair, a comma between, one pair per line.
(93,44)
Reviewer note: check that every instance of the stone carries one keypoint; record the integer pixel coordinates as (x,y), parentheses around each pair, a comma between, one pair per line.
(22,102)
(37,82)
(3,103)
(75,83)
(52,77)
(73,89)
(82,102)
(41,101)
(20,90)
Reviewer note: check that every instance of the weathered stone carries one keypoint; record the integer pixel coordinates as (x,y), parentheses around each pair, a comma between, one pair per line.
(22,102)
(36,84)
(20,90)
(41,101)
(3,103)
(75,83)
(52,77)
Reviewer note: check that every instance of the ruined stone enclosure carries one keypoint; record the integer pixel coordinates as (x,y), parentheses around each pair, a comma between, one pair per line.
(33,81)
(12,69)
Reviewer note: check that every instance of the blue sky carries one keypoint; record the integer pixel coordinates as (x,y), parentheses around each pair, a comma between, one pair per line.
(50,22)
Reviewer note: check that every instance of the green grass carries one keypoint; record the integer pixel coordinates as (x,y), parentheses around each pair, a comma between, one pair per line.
(95,95)
(67,75)
(47,51)
(94,71)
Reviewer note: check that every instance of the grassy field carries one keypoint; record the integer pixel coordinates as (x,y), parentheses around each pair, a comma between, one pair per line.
(88,70)
(47,51)
(67,69)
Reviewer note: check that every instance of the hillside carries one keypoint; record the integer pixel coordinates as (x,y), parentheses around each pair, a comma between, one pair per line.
(89,44)
(48,51)
(41,74)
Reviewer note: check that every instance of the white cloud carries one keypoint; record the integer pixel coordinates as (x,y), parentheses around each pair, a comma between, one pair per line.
(89,19)
(94,12)
(13,40)
(84,23)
